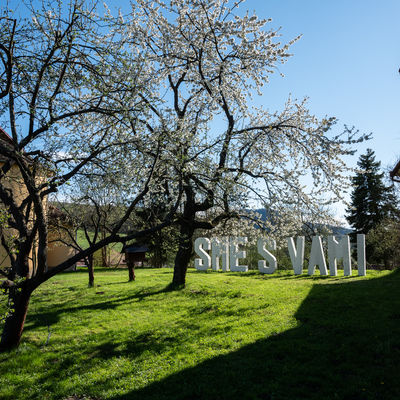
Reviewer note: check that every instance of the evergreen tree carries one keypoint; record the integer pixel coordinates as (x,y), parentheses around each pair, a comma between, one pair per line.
(371,200)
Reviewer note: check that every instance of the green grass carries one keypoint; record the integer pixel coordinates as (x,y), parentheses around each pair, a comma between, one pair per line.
(225,336)
(83,243)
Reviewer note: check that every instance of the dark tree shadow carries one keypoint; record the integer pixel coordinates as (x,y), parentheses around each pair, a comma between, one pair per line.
(52,317)
(346,346)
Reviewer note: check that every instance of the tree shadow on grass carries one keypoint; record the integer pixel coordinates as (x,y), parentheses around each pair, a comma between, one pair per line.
(48,318)
(346,346)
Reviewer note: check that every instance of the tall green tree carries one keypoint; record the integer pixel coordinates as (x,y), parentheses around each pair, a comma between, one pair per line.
(383,243)
(371,200)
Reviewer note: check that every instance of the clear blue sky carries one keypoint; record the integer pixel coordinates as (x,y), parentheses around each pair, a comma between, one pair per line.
(347,63)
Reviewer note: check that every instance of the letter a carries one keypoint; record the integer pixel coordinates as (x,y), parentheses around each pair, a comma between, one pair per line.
(317,257)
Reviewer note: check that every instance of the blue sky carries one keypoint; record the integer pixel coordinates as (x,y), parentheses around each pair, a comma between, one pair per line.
(346,62)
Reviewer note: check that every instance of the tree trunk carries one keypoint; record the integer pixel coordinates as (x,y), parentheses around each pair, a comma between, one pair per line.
(131,268)
(90,270)
(14,323)
(104,257)
(104,251)
(183,255)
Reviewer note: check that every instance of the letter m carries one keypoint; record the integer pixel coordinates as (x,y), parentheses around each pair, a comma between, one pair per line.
(339,250)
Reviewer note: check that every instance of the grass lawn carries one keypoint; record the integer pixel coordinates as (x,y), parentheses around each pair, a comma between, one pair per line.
(225,336)
(83,243)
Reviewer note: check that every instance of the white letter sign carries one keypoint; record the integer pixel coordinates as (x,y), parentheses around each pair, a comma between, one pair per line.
(296,254)
(317,257)
(220,249)
(361,259)
(336,251)
(235,254)
(227,250)
(200,245)
(262,251)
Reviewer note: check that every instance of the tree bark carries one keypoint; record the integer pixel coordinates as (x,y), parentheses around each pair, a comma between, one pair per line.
(104,257)
(131,268)
(183,255)
(14,323)
(104,251)
(90,270)
(187,228)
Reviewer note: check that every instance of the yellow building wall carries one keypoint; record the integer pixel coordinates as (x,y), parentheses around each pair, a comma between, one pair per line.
(14,182)
(57,252)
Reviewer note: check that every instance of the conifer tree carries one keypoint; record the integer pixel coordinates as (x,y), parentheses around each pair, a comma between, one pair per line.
(371,199)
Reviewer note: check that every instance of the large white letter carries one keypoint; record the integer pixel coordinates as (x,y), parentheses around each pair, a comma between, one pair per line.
(235,254)
(200,245)
(337,250)
(296,254)
(262,251)
(220,249)
(361,259)
(317,257)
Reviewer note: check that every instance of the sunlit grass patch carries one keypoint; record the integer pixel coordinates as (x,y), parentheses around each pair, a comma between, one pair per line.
(224,336)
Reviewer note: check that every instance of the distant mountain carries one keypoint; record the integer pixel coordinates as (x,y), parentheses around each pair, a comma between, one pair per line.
(336,230)
(340,230)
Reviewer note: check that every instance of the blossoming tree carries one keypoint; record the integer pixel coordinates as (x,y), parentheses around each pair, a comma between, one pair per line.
(208,61)
(64,93)
(168,89)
